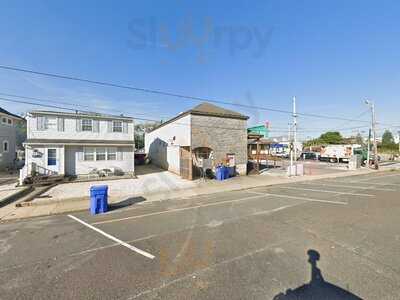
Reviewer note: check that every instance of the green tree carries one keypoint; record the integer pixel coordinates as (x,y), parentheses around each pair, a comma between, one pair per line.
(140,130)
(387,138)
(331,137)
(21,133)
(359,139)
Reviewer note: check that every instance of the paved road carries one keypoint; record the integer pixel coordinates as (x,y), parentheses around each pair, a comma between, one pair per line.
(332,239)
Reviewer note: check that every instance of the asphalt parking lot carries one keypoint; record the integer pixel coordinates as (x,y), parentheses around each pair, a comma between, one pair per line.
(329,239)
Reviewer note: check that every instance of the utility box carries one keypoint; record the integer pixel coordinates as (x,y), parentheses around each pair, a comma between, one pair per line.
(295,170)
(355,162)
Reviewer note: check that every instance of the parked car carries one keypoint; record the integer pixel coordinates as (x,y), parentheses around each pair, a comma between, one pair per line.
(309,156)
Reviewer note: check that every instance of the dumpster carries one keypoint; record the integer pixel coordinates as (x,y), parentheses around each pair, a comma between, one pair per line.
(98,199)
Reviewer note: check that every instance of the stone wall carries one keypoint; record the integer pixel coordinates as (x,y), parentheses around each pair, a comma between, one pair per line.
(223,136)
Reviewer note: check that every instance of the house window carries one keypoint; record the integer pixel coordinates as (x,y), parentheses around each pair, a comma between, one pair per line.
(6,121)
(111,153)
(87,125)
(5,146)
(51,157)
(100,153)
(117,126)
(88,154)
(50,123)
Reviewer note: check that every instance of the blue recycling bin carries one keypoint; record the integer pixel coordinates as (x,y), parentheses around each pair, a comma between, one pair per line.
(226,172)
(219,173)
(231,172)
(98,199)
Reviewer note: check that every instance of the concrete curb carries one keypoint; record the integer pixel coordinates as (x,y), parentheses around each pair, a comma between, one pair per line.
(201,190)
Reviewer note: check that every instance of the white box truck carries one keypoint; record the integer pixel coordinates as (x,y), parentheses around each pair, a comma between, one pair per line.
(338,153)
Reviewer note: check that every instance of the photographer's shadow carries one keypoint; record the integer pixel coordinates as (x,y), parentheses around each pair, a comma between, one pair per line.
(318,288)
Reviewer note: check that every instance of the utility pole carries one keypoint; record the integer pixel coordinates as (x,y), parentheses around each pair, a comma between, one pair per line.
(290,149)
(369,146)
(373,126)
(295,132)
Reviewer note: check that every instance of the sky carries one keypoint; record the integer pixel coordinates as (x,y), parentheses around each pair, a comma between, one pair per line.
(331,55)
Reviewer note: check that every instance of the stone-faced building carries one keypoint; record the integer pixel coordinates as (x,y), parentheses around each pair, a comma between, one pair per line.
(205,131)
(8,138)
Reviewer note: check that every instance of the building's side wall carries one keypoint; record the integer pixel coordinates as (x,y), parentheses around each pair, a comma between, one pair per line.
(70,131)
(223,136)
(7,133)
(162,145)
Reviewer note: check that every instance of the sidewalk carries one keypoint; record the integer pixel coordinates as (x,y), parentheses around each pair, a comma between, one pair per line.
(45,208)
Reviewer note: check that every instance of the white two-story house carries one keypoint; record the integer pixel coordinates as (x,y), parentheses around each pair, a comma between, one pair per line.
(76,144)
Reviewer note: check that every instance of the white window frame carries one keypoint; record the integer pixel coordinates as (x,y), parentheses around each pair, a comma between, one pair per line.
(53,126)
(83,125)
(86,152)
(118,128)
(112,151)
(48,157)
(102,153)
(6,121)
(8,146)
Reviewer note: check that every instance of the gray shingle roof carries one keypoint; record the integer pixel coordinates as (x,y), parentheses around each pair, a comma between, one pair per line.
(2,110)
(207,109)
(82,114)
(213,110)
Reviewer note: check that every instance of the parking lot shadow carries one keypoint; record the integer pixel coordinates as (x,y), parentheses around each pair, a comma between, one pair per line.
(126,202)
(317,288)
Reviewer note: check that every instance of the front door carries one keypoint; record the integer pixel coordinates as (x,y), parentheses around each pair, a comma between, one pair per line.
(52,159)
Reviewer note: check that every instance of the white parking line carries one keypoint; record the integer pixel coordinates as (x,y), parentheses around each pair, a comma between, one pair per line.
(191,227)
(325,191)
(300,198)
(370,183)
(122,243)
(350,186)
(176,210)
(378,177)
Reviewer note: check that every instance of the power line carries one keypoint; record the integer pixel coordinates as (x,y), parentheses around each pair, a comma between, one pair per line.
(136,118)
(133,117)
(68,103)
(158,92)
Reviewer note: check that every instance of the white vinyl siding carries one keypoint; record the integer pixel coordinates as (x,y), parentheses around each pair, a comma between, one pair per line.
(70,128)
